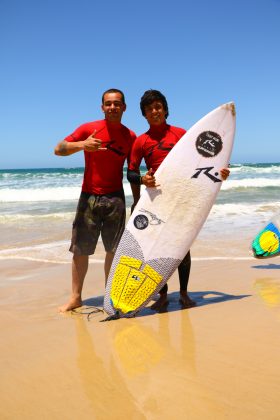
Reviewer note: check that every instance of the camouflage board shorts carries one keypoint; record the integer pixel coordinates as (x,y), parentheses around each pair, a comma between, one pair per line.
(98,214)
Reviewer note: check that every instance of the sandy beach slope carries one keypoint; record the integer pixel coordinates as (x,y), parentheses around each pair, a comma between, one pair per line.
(219,360)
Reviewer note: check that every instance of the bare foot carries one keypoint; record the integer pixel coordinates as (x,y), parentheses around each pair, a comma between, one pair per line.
(160,303)
(186,301)
(72,304)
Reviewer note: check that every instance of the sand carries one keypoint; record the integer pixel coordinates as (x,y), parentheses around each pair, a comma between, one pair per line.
(219,360)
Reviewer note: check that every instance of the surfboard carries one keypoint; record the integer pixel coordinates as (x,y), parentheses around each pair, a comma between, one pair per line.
(167,219)
(266,243)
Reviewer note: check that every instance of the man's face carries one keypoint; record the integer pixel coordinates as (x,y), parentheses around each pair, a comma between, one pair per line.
(155,113)
(113,107)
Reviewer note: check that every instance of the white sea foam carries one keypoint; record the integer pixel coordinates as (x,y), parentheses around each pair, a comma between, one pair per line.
(45,260)
(10,218)
(49,245)
(42,194)
(52,252)
(101,261)
(250,183)
(244,170)
(45,194)
(229,257)
(218,211)
(50,194)
(242,209)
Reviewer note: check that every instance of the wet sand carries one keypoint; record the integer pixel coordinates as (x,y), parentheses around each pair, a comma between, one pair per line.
(219,360)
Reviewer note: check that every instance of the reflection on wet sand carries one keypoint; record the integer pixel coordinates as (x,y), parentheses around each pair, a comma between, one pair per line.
(146,353)
(141,347)
(137,348)
(269,291)
(158,362)
(148,368)
(104,387)
(187,342)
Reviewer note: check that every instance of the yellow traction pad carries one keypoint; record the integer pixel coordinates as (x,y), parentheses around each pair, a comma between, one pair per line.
(131,286)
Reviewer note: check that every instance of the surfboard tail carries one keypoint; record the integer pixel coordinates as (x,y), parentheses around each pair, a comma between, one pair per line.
(133,281)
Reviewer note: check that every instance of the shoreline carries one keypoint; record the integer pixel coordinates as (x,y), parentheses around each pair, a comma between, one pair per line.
(53,245)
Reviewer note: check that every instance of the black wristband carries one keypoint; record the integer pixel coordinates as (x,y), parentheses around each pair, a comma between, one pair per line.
(134,177)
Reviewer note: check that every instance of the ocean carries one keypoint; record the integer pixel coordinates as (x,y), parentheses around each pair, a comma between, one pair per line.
(37,207)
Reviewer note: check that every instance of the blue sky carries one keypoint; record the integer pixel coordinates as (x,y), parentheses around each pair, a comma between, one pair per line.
(57,57)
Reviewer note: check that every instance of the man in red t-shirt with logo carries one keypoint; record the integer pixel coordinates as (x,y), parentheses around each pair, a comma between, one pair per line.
(153,146)
(101,209)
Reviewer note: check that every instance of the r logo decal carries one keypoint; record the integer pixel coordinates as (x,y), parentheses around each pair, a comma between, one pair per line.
(206,172)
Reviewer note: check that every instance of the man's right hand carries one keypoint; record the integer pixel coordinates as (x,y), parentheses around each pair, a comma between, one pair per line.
(91,144)
(149,179)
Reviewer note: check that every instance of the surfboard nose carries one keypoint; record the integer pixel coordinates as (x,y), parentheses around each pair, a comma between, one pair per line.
(231,107)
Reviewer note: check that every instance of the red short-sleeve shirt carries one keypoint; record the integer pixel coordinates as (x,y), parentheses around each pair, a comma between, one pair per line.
(154,145)
(104,169)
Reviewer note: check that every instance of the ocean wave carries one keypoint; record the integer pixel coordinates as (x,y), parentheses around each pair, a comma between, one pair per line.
(51,252)
(255,169)
(73,193)
(54,253)
(219,210)
(101,261)
(49,245)
(250,183)
(42,194)
(14,218)
(245,209)
(38,175)
(45,194)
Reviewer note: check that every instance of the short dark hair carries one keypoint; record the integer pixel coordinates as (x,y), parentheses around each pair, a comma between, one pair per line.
(149,97)
(114,91)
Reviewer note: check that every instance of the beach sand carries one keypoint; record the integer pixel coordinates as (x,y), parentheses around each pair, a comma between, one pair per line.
(219,360)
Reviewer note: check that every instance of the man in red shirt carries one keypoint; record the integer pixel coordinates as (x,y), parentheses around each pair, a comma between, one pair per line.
(153,146)
(101,209)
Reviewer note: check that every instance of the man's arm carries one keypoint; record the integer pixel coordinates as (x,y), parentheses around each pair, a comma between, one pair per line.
(133,170)
(135,183)
(135,193)
(66,148)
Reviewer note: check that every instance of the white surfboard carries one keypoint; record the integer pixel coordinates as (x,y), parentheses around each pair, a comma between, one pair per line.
(168,218)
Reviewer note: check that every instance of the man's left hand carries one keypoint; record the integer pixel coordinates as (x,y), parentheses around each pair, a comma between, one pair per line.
(224,173)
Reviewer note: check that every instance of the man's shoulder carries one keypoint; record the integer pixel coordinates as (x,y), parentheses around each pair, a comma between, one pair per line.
(97,123)
(93,125)
(177,130)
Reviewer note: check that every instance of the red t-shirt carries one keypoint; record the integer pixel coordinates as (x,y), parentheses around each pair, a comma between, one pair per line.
(154,146)
(104,169)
